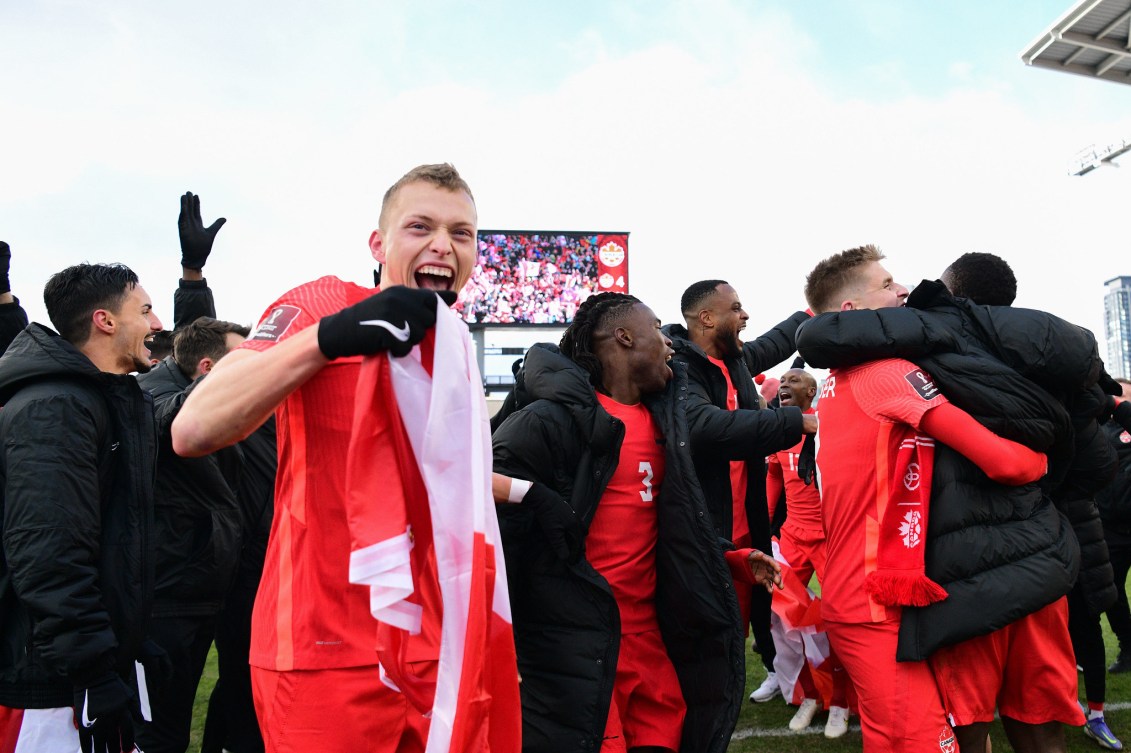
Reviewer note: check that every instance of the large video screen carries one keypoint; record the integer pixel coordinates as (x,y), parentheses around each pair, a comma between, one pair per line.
(540,277)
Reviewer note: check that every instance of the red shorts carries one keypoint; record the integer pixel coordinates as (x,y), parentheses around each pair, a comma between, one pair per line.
(334,709)
(647,707)
(899,704)
(1026,671)
(804,550)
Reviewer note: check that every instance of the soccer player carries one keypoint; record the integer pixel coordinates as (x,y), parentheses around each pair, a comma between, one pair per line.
(316,676)
(875,456)
(802,544)
(730,433)
(625,621)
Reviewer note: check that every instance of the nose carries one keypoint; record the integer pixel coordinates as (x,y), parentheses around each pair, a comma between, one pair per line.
(900,291)
(154,323)
(743,315)
(442,242)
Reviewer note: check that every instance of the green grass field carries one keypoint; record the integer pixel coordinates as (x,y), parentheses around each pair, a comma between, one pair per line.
(762,727)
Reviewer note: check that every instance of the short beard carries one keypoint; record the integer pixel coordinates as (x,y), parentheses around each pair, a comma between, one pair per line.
(140,366)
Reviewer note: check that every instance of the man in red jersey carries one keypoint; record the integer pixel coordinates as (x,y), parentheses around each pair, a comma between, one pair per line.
(316,677)
(626,626)
(802,544)
(875,449)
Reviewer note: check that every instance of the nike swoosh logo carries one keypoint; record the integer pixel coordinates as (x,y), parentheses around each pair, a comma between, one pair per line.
(87,721)
(401,333)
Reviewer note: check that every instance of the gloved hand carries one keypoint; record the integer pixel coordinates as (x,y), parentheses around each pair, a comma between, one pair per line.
(558,521)
(394,320)
(807,460)
(196,240)
(5,262)
(102,715)
(157,663)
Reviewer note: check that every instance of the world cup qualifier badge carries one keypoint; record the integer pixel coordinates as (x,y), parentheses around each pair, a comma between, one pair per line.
(947,743)
(923,384)
(276,323)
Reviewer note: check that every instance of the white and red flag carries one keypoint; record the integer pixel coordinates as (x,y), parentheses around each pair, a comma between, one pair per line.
(425,540)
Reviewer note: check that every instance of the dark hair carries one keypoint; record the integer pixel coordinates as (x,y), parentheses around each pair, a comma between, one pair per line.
(832,275)
(443,175)
(73,295)
(985,279)
(161,344)
(597,312)
(696,293)
(204,338)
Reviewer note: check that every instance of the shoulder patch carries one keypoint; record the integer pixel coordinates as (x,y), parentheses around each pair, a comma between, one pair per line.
(922,384)
(276,323)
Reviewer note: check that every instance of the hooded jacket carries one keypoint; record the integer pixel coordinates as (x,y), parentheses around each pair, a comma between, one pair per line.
(719,436)
(1000,552)
(566,620)
(76,575)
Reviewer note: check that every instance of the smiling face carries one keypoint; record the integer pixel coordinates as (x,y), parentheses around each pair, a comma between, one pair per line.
(797,388)
(874,289)
(650,351)
(729,319)
(135,324)
(428,238)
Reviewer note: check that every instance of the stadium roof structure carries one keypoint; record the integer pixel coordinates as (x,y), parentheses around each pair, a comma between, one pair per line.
(1090,39)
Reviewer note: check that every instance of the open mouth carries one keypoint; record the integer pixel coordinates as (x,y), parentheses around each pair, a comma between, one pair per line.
(785,397)
(434,277)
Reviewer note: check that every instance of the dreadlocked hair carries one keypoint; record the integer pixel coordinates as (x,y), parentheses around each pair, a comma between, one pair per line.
(592,316)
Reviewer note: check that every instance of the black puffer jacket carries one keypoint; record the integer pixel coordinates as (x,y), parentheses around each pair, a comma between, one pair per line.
(1114,500)
(1000,552)
(719,436)
(197,517)
(76,576)
(567,625)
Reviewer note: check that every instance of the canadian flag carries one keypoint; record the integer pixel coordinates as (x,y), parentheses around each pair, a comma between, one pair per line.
(425,540)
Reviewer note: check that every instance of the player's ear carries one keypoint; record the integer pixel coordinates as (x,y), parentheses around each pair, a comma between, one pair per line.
(377,246)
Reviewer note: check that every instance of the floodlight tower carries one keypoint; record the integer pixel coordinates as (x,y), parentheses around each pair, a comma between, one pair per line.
(1089,158)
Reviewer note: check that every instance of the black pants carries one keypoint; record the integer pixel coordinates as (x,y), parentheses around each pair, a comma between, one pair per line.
(231,723)
(186,639)
(1088,644)
(1119,615)
(760,627)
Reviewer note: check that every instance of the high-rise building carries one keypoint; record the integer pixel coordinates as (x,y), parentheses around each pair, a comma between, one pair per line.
(1117,326)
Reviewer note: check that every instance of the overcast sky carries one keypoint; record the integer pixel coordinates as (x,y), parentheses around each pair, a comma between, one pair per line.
(733,139)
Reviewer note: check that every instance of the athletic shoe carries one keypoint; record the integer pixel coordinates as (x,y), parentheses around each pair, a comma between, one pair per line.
(804,716)
(1097,729)
(767,690)
(837,723)
(1121,664)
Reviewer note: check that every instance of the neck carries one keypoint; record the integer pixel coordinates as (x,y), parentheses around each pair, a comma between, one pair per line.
(102,360)
(706,342)
(621,388)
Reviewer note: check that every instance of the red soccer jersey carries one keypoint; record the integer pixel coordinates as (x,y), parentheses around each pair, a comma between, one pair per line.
(307,613)
(621,544)
(740,526)
(866,414)
(803,501)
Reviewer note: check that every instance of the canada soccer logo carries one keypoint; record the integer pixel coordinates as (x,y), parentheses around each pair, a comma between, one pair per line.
(912,478)
(612,254)
(947,743)
(911,529)
(1125,438)
(605,280)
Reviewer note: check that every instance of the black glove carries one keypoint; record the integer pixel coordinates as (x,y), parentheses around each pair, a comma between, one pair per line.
(196,240)
(5,263)
(798,363)
(394,320)
(102,715)
(155,660)
(1120,412)
(807,460)
(558,521)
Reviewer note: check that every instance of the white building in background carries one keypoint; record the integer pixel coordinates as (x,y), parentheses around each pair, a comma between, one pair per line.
(1117,326)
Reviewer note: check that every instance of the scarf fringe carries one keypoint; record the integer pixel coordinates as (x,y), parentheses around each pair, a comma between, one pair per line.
(896,589)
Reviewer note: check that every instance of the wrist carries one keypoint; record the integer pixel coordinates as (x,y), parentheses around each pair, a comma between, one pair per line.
(189,274)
